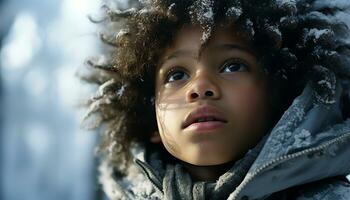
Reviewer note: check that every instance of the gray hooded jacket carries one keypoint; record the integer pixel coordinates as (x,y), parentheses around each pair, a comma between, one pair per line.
(305,156)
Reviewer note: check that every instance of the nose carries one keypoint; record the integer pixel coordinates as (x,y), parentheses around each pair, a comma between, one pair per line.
(203,86)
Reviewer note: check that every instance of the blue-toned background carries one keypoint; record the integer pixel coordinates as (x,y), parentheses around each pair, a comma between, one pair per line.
(44,154)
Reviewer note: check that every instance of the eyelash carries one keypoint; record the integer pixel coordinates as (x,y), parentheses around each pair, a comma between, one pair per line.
(174,70)
(234,61)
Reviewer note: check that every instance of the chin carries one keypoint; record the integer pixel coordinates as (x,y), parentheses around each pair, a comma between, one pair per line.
(209,156)
(205,161)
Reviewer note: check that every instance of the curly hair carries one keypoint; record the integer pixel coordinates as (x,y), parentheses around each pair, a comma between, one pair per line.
(298,41)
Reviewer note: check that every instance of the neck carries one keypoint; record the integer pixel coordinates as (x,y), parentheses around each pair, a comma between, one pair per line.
(207,173)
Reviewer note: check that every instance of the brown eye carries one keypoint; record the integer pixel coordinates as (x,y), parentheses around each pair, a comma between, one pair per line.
(233,66)
(176,75)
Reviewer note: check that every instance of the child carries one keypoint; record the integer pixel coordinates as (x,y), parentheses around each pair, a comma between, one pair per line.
(224,99)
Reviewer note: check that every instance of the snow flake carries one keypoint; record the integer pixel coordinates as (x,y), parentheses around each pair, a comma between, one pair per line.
(144,11)
(202,12)
(108,183)
(209,14)
(302,139)
(121,91)
(316,33)
(281,2)
(171,9)
(234,12)
(286,3)
(275,30)
(325,83)
(111,147)
(144,1)
(249,26)
(152,100)
(288,6)
(104,87)
(171,6)
(283,19)
(205,36)
(342,4)
(122,33)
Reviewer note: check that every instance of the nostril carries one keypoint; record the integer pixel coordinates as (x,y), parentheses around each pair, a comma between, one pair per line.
(194,95)
(209,93)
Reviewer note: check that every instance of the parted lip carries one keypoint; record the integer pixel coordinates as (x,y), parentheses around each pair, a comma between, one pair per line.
(203,112)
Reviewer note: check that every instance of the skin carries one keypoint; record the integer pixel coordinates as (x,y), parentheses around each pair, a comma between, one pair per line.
(227,67)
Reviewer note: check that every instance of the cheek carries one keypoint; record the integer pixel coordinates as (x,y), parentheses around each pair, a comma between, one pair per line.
(250,104)
(169,113)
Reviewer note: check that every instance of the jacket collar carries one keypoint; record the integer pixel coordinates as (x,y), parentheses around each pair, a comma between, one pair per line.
(300,148)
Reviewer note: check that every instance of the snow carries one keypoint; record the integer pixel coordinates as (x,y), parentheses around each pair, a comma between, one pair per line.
(275,29)
(171,6)
(234,12)
(319,16)
(202,12)
(283,19)
(303,138)
(111,147)
(205,36)
(145,11)
(289,6)
(281,2)
(343,4)
(152,101)
(102,89)
(249,25)
(325,83)
(121,91)
(288,3)
(106,179)
(120,12)
(209,14)
(317,33)
(171,9)
(122,32)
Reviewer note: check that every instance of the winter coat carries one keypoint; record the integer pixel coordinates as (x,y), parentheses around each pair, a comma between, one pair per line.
(305,156)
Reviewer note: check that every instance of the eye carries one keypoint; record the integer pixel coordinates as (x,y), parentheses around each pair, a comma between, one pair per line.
(176,75)
(233,66)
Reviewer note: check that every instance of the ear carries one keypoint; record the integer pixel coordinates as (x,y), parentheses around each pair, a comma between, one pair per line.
(155,137)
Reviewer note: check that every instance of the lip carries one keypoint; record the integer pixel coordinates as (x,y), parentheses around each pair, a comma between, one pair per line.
(207,111)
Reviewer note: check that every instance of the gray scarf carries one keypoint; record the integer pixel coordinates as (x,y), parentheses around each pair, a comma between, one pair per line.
(175,182)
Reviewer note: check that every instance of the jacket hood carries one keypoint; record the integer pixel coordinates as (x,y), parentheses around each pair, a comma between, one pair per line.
(298,150)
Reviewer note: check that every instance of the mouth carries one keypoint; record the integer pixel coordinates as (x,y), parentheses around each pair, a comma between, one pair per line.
(205,116)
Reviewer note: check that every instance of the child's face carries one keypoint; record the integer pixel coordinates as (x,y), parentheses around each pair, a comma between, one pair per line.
(227,86)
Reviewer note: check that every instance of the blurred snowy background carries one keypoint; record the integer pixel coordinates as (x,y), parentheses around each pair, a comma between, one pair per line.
(44,155)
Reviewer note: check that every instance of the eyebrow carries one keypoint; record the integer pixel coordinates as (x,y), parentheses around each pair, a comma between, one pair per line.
(234,46)
(180,53)
(192,54)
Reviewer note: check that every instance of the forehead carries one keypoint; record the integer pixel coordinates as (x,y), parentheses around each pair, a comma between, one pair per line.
(189,38)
